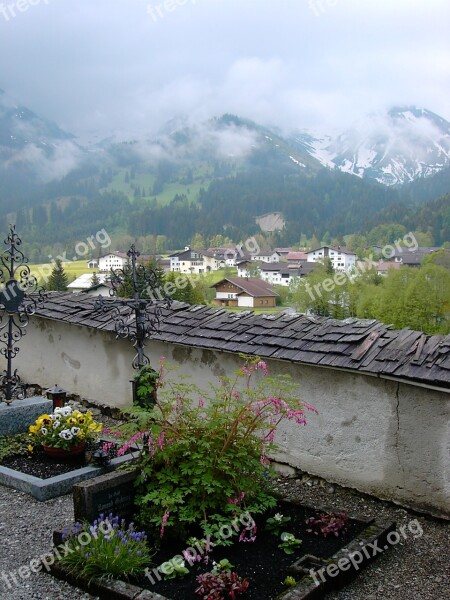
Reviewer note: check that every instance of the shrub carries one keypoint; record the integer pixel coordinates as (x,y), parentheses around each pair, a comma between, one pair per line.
(204,456)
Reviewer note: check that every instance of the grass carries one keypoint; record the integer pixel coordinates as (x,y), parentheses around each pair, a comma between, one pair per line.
(202,179)
(72,269)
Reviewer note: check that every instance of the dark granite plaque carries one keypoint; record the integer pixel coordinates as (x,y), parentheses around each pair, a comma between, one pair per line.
(109,493)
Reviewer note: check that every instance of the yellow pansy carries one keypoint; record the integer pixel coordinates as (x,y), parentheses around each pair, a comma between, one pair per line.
(34,428)
(30,448)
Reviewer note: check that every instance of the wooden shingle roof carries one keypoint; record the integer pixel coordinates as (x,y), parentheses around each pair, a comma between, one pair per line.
(366,346)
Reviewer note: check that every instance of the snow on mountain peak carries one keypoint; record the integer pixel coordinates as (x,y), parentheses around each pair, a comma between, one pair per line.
(401,145)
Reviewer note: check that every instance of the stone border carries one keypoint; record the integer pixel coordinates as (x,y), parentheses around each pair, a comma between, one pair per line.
(306,589)
(52,487)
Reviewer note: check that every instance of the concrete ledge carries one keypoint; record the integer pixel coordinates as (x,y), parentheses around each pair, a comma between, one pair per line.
(20,414)
(44,489)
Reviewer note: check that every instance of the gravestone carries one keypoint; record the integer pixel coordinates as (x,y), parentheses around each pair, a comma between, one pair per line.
(109,493)
(20,414)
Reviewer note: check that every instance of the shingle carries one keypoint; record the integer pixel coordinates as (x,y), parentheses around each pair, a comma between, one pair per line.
(364,345)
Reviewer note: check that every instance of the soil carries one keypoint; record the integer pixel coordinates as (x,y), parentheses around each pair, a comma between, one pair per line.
(41,465)
(261,562)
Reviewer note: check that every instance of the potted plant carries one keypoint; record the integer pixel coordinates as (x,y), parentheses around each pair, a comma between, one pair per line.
(64,432)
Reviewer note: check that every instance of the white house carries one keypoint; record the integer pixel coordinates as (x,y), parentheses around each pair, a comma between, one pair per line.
(341,258)
(268,257)
(188,261)
(283,273)
(113,260)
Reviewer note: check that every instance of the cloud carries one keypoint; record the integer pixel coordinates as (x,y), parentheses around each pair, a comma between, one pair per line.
(107,66)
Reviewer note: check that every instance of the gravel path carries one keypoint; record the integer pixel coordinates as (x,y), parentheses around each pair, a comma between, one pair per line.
(414,569)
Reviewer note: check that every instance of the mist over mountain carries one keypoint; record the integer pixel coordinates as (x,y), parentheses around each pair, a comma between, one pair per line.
(399,146)
(218,176)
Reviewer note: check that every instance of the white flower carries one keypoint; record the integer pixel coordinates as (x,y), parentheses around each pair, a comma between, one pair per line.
(278,517)
(66,434)
(75,430)
(63,411)
(56,424)
(43,431)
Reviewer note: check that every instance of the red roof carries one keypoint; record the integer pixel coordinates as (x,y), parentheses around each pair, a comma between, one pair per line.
(297,256)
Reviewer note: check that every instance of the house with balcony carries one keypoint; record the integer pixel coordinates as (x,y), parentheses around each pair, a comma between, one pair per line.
(341,258)
(248,292)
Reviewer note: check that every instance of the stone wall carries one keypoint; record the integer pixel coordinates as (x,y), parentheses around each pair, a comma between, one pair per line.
(383,437)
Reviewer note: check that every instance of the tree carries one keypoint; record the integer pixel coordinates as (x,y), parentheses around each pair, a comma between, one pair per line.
(95,279)
(125,290)
(58,280)
(183,290)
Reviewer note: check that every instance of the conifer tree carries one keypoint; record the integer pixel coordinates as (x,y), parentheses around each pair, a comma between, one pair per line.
(58,280)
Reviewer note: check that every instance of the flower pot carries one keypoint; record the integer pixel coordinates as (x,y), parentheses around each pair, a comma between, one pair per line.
(63,453)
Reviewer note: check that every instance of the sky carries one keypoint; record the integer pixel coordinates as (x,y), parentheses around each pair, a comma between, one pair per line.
(125,67)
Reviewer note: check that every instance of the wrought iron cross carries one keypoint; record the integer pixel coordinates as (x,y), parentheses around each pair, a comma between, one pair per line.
(16,306)
(136,317)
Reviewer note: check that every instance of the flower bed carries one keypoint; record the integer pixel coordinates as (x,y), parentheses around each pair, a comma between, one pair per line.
(203,470)
(271,573)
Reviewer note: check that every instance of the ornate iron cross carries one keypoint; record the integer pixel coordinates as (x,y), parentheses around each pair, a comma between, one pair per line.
(139,316)
(16,306)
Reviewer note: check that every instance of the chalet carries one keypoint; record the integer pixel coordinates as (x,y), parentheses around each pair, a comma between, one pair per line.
(92,264)
(248,292)
(112,261)
(118,260)
(341,258)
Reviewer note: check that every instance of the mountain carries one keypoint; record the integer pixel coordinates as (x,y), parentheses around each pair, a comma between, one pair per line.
(19,127)
(32,149)
(393,148)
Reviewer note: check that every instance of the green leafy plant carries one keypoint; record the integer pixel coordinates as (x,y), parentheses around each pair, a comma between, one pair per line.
(107,548)
(173,568)
(13,445)
(204,454)
(64,428)
(146,383)
(222,565)
(276,523)
(289,542)
(290,581)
